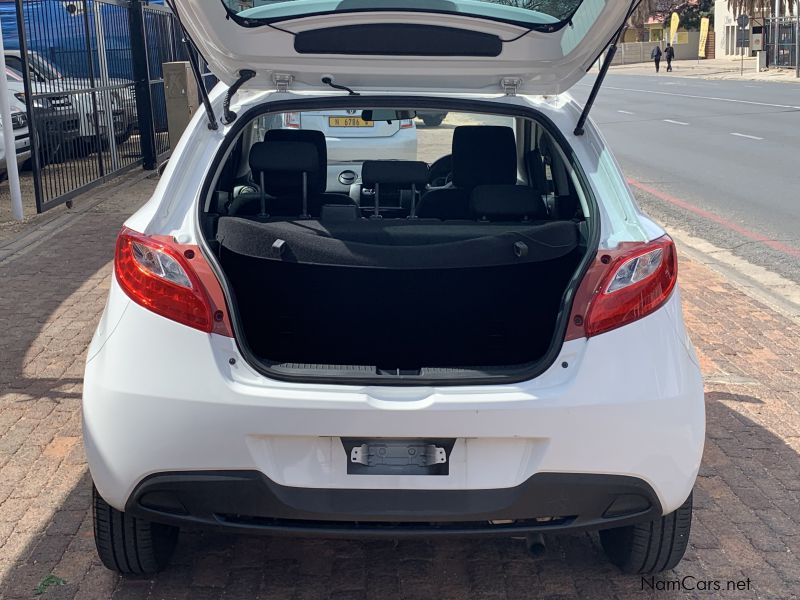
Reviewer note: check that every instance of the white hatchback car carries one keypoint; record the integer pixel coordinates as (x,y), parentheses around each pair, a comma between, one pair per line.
(502,355)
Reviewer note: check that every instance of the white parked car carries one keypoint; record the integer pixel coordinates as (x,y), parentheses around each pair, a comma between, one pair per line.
(47,79)
(503,355)
(22,140)
(57,120)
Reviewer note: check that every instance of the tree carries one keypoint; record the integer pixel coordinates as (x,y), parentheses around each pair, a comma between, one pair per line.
(647,9)
(692,12)
(750,7)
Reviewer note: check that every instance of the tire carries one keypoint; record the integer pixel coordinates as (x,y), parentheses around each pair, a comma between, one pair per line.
(433,120)
(129,545)
(651,547)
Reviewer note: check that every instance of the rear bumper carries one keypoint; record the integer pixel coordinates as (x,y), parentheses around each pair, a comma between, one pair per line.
(248,500)
(160,397)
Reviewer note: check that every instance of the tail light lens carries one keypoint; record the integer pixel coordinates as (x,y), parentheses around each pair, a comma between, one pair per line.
(291,120)
(171,280)
(623,286)
(406,123)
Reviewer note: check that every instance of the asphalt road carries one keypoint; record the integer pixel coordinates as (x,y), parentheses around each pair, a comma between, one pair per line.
(718,159)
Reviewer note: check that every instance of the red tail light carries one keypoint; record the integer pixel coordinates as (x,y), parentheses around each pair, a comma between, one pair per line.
(172,280)
(623,286)
(406,123)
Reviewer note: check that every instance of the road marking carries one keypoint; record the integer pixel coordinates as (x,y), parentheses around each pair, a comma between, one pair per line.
(626,112)
(743,231)
(674,122)
(714,98)
(744,135)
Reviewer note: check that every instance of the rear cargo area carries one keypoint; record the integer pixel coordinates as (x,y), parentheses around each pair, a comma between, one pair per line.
(398,296)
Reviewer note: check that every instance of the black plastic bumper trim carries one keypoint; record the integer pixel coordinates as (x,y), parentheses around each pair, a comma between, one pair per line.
(249,501)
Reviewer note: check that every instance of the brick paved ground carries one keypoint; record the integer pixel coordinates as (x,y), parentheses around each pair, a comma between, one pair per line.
(747,519)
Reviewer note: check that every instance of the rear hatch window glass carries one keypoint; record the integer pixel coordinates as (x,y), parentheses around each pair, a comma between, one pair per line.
(546,14)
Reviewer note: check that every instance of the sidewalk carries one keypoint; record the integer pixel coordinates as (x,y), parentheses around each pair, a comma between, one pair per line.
(717,68)
(747,519)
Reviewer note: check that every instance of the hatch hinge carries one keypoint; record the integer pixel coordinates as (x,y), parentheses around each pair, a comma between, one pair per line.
(510,85)
(282,81)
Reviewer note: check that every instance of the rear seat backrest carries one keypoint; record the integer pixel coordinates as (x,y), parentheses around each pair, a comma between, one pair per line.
(482,155)
(508,203)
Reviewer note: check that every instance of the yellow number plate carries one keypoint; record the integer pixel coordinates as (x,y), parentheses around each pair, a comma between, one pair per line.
(349,122)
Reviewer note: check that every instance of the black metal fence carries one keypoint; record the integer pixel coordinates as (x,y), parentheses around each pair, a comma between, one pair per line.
(782,38)
(94,89)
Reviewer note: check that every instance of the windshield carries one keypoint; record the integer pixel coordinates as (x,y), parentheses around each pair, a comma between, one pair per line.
(549,14)
(13,75)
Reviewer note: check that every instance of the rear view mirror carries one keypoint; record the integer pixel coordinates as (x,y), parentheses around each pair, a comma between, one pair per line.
(387,115)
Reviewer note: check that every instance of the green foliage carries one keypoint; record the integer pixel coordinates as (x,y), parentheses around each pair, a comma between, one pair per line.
(46,582)
(691,14)
(765,7)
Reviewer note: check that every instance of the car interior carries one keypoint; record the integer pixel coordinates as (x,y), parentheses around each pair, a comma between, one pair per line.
(452,267)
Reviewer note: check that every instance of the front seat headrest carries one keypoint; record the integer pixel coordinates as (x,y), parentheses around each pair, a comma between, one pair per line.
(484,155)
(507,203)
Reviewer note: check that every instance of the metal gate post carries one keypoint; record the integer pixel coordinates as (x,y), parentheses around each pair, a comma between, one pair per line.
(141,77)
(32,121)
(95,104)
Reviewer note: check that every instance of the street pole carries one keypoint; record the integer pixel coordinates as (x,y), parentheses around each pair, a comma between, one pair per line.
(776,30)
(105,81)
(797,42)
(8,138)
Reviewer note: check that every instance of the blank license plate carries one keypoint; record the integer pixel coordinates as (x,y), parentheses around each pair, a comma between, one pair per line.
(349,122)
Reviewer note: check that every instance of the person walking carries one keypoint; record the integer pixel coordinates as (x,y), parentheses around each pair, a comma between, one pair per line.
(655,56)
(669,54)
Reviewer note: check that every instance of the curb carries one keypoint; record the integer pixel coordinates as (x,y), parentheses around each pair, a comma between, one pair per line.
(776,292)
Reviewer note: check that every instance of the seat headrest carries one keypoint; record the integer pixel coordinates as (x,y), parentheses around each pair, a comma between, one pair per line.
(282,164)
(394,171)
(318,181)
(507,203)
(272,157)
(484,155)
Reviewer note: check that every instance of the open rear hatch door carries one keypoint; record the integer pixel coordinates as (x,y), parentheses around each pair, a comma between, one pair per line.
(533,46)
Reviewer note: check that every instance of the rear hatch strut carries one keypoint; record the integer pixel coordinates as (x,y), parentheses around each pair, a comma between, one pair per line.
(598,83)
(194,53)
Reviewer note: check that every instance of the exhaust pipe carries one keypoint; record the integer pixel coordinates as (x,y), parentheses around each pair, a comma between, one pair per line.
(534,542)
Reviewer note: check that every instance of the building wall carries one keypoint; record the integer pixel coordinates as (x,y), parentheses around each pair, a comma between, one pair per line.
(723,20)
(639,52)
(725,27)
